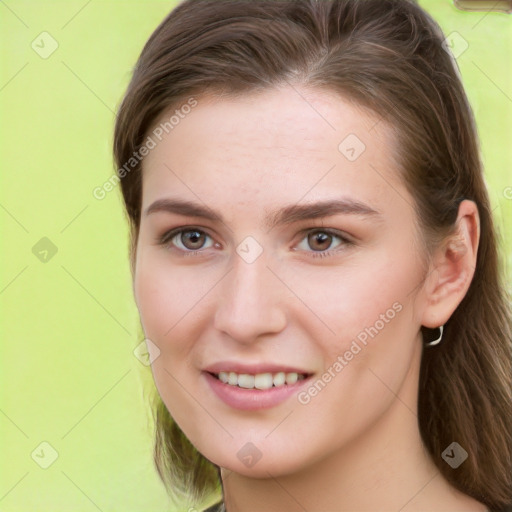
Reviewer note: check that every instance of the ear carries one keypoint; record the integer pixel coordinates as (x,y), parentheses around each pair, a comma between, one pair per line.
(452,269)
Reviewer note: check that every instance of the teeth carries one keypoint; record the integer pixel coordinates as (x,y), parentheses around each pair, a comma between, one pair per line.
(291,378)
(233,379)
(260,380)
(246,381)
(263,381)
(279,379)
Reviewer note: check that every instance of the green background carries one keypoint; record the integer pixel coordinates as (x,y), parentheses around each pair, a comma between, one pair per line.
(69,376)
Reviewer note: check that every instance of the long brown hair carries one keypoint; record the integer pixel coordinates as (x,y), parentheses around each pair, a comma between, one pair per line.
(387,56)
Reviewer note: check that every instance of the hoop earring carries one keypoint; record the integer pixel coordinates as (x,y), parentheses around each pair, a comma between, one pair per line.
(436,341)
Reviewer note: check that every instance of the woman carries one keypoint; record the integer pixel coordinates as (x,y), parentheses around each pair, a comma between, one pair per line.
(314,261)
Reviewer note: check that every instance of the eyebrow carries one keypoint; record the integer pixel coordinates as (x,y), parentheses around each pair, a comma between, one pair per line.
(287,215)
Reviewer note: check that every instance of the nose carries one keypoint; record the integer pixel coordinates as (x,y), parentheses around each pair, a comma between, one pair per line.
(251,302)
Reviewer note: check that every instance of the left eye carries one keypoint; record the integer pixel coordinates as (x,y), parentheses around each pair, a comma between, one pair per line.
(191,240)
(320,240)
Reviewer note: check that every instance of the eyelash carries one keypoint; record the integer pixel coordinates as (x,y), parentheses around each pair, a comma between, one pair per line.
(166,240)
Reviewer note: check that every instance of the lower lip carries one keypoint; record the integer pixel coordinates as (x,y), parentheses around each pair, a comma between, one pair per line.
(252,399)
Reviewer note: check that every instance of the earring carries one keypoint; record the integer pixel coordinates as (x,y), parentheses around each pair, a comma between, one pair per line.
(436,341)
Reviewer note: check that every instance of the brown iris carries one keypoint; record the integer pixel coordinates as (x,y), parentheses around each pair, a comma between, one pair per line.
(319,240)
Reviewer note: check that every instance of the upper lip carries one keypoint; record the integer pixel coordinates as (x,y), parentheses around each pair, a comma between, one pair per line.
(252,369)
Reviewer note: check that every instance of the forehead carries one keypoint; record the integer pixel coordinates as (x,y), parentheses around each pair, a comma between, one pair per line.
(285,144)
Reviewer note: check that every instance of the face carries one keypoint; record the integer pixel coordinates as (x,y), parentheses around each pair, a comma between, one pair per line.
(275,271)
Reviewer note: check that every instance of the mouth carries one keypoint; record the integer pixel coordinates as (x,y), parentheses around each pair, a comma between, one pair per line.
(260,381)
(253,386)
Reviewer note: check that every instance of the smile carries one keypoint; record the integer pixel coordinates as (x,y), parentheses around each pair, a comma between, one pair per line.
(255,388)
(260,380)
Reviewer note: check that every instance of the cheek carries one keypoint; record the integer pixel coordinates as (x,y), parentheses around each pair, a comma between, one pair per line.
(175,307)
(369,310)
(371,355)
(154,302)
(166,299)
(164,295)
(359,294)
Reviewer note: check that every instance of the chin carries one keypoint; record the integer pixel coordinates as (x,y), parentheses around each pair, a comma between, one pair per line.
(256,459)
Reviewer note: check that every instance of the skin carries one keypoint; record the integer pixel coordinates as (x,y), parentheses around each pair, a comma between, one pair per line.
(356,444)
